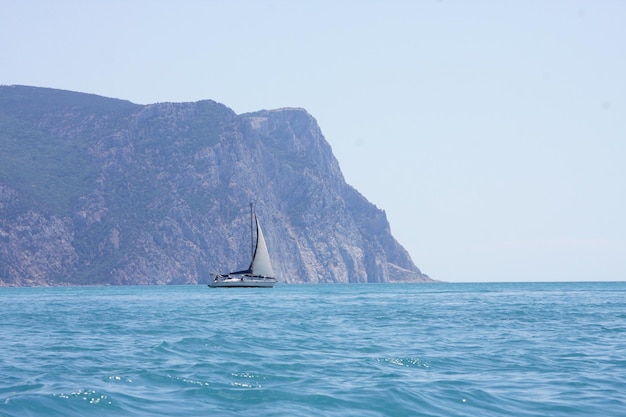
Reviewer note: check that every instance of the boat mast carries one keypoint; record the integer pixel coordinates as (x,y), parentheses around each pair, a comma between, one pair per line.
(251,234)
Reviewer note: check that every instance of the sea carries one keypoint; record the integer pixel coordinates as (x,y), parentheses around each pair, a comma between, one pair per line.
(492,349)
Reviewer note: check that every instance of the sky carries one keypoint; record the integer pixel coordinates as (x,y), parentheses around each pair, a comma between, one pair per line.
(492,133)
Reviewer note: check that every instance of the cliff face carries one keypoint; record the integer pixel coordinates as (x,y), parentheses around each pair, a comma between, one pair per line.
(101,191)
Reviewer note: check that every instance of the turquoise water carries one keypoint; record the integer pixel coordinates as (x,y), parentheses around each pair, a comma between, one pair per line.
(555,349)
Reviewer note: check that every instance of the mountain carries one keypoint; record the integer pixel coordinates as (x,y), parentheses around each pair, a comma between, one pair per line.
(99,191)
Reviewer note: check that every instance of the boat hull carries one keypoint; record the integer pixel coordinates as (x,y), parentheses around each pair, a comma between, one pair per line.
(246,282)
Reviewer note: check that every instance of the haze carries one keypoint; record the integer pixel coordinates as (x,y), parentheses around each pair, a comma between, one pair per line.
(492,133)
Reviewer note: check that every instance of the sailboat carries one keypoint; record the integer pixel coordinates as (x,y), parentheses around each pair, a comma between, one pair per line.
(260,273)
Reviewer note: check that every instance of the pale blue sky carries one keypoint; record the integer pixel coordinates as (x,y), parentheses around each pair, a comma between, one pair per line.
(493,133)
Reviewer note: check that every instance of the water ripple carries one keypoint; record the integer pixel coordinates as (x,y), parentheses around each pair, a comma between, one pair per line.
(354,350)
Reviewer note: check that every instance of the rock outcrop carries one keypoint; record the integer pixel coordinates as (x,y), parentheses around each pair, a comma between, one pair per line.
(96,190)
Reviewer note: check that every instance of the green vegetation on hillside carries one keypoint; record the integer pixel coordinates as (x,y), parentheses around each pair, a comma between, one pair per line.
(52,173)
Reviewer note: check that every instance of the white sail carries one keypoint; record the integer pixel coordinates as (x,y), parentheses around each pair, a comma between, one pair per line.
(261,264)
(260,274)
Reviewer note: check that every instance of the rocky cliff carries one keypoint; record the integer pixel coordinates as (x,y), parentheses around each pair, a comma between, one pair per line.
(95,190)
